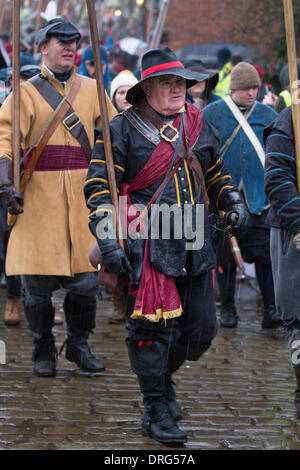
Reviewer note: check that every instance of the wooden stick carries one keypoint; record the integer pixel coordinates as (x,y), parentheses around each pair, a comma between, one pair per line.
(104,115)
(235,249)
(37,23)
(2,13)
(16,94)
(293,73)
(159,24)
(149,22)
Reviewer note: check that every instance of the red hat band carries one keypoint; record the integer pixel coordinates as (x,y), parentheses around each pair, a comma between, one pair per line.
(161,67)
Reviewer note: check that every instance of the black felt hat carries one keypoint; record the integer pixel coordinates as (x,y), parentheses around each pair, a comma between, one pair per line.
(163,61)
(196,65)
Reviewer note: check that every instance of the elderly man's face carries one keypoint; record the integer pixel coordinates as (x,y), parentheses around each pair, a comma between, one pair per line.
(59,55)
(245,97)
(166,94)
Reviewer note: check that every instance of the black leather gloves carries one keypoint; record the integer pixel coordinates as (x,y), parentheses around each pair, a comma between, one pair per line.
(236,212)
(113,256)
(9,195)
(116,260)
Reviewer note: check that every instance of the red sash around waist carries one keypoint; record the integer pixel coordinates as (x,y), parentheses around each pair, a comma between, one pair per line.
(59,157)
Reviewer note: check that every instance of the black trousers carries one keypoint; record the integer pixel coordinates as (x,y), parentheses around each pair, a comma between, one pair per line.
(196,327)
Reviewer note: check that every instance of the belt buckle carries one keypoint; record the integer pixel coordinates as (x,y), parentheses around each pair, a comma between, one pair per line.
(165,130)
(69,128)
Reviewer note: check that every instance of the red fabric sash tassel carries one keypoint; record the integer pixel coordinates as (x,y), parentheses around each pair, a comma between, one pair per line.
(157,296)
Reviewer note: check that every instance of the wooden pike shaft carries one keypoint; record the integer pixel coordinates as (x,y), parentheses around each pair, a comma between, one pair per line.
(16,94)
(237,254)
(293,73)
(235,249)
(159,25)
(104,114)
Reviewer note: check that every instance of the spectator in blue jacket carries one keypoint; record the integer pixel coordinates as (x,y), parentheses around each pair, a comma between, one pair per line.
(87,66)
(244,157)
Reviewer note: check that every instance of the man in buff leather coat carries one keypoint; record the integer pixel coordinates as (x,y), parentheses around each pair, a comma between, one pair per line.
(50,242)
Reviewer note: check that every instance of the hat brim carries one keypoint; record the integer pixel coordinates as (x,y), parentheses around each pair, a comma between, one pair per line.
(213,77)
(191,78)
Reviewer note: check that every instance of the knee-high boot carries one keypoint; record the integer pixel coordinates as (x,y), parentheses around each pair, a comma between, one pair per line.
(41,322)
(226,282)
(80,316)
(149,363)
(177,355)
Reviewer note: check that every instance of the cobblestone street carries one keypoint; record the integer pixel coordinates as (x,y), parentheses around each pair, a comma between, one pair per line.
(239,396)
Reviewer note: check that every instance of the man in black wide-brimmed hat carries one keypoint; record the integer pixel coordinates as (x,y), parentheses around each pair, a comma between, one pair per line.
(166,160)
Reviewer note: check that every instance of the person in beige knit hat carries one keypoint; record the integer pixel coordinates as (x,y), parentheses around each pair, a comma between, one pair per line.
(243,154)
(244,84)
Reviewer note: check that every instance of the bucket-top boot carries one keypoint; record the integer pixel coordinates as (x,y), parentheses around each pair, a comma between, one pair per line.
(177,355)
(226,282)
(80,316)
(151,358)
(271,318)
(41,321)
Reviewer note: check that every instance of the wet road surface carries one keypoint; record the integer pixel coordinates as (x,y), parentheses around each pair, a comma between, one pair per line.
(238,396)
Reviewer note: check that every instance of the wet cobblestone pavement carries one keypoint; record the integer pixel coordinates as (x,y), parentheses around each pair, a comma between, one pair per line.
(239,396)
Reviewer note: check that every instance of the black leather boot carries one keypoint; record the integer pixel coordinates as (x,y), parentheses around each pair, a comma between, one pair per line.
(228,318)
(41,321)
(80,316)
(177,355)
(271,318)
(226,282)
(161,426)
(157,422)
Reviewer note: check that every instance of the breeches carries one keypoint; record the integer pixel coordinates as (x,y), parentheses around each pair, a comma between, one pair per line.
(39,289)
(197,324)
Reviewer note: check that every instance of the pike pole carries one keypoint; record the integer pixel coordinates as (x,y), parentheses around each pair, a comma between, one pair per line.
(159,25)
(16,94)
(293,74)
(16,148)
(104,115)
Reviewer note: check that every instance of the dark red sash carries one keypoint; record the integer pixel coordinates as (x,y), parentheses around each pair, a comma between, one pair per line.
(156,296)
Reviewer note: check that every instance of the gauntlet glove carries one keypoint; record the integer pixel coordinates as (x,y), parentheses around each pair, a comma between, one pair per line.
(237,214)
(9,195)
(115,260)
(113,256)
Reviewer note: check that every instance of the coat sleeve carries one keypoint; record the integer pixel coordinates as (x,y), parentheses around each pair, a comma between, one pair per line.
(280,180)
(96,188)
(26,117)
